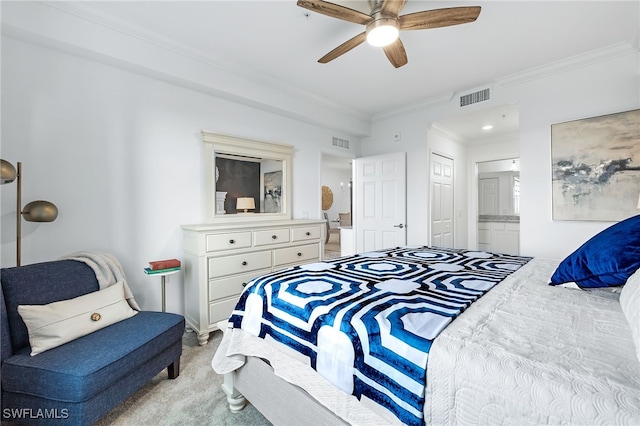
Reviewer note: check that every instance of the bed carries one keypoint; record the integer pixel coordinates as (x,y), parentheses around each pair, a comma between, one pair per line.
(515,350)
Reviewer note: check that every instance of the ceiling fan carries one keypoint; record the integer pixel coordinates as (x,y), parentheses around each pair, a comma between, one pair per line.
(383,24)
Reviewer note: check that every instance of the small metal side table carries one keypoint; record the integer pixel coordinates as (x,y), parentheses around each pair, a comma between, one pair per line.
(163,276)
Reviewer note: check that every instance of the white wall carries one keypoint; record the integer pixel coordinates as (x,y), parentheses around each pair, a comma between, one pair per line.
(120,154)
(412,128)
(600,88)
(588,86)
(418,141)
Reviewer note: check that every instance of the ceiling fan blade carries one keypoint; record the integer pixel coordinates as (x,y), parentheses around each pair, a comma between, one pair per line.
(396,54)
(343,48)
(335,11)
(437,18)
(392,7)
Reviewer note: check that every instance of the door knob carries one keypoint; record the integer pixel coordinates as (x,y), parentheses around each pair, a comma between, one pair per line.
(399,226)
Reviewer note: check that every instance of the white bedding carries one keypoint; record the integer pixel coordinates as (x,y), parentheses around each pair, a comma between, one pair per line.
(525,353)
(530,353)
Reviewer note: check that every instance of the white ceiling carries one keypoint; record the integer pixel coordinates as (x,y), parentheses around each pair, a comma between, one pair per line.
(279,43)
(466,128)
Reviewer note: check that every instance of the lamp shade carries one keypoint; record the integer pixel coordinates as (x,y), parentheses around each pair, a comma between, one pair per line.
(40,211)
(9,173)
(245,203)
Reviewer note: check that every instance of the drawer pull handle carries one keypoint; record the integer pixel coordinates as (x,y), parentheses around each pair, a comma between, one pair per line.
(232,241)
(275,237)
(244,284)
(308,233)
(244,263)
(299,254)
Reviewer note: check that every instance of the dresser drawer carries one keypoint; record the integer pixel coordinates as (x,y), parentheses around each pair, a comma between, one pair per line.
(239,263)
(221,310)
(272,236)
(296,254)
(306,233)
(231,286)
(232,240)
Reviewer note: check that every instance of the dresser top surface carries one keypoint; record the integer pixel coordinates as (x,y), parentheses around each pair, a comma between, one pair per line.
(200,227)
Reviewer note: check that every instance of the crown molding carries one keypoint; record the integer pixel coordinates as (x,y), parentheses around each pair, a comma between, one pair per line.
(319,106)
(557,67)
(90,13)
(445,132)
(418,106)
(566,64)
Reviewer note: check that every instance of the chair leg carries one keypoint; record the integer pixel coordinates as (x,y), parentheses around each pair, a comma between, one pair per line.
(174,369)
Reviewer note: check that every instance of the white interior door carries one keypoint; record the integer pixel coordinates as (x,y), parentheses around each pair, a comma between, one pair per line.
(488,196)
(380,203)
(441,201)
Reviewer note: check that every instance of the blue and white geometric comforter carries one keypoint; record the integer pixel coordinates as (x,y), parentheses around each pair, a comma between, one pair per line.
(366,322)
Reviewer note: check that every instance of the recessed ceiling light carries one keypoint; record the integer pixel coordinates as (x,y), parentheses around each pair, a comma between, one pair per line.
(487,127)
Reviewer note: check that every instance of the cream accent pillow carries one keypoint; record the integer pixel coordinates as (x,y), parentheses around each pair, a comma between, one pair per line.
(60,322)
(630,302)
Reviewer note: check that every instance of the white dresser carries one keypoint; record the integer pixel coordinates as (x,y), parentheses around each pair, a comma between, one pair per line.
(221,258)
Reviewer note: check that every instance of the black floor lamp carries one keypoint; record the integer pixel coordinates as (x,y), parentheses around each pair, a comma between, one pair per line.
(35,211)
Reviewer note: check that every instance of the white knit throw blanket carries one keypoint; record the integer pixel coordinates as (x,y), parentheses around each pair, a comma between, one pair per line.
(108,271)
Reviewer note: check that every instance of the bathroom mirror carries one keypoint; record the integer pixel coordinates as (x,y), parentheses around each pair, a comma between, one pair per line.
(245,179)
(499,188)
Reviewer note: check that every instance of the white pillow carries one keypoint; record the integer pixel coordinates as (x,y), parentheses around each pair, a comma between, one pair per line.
(630,302)
(60,322)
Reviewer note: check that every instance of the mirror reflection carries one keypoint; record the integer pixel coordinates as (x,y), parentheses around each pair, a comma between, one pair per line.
(499,188)
(499,206)
(248,185)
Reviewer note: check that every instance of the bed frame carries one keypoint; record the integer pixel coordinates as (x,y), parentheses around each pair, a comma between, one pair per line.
(281,402)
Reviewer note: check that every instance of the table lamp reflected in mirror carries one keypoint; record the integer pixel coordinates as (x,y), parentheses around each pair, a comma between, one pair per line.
(245,203)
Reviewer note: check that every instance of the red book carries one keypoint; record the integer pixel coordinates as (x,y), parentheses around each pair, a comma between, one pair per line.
(164,264)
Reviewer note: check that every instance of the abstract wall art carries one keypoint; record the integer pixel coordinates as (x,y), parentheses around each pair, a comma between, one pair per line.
(273,192)
(596,167)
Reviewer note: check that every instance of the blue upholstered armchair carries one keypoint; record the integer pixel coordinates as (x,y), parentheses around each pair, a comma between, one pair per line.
(80,381)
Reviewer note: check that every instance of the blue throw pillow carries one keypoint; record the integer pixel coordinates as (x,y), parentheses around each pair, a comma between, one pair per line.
(606,260)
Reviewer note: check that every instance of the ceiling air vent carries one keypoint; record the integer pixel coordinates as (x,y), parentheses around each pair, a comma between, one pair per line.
(339,142)
(475,97)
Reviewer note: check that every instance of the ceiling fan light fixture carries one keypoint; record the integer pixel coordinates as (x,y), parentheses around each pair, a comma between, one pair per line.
(382,32)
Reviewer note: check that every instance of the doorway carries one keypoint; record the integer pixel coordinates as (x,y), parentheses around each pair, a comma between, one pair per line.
(337,194)
(498,219)
(485,134)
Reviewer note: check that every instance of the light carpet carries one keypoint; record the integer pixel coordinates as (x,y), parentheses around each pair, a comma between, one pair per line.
(194,398)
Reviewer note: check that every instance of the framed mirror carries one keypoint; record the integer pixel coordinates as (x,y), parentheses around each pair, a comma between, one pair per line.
(245,179)
(499,188)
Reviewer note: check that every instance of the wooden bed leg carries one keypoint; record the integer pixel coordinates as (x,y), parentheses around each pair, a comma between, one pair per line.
(235,398)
